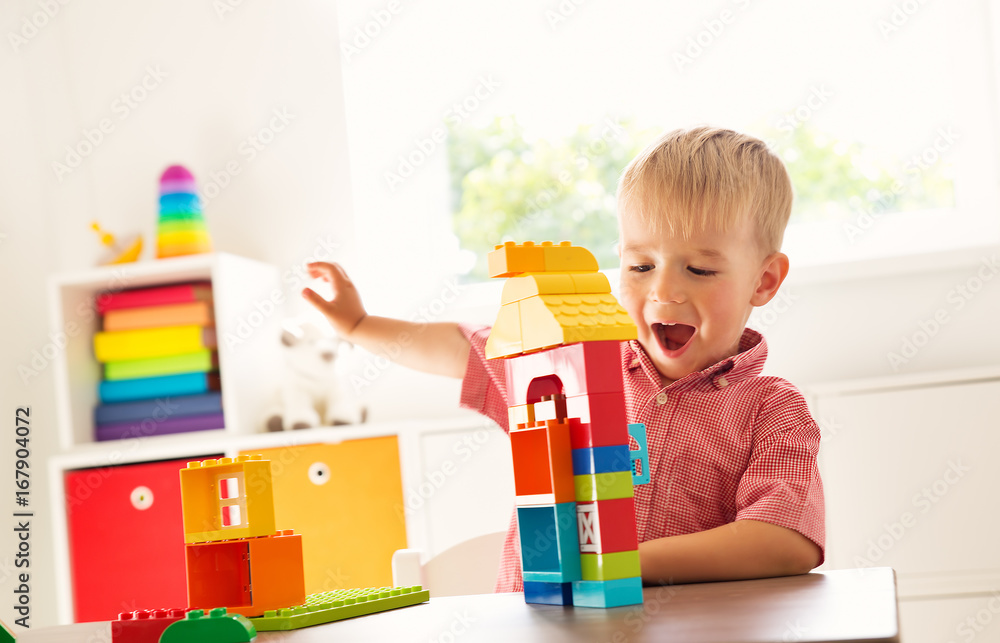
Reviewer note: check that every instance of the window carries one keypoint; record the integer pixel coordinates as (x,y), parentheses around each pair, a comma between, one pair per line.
(465,119)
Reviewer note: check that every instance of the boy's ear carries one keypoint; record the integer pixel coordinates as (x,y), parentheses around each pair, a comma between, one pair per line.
(773,272)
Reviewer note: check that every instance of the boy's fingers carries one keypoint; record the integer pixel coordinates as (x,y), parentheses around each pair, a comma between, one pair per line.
(327,271)
(315,299)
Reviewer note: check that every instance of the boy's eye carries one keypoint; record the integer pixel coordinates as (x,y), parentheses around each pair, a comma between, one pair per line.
(701,272)
(645,267)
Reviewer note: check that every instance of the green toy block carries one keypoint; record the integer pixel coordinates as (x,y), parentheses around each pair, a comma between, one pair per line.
(603,486)
(619,564)
(6,634)
(337,605)
(215,627)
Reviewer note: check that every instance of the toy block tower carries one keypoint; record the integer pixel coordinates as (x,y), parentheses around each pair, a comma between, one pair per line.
(559,329)
(235,558)
(181,228)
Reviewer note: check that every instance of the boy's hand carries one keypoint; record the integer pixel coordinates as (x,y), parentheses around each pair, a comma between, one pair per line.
(345,311)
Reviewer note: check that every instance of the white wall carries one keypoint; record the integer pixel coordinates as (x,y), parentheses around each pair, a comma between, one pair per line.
(224,75)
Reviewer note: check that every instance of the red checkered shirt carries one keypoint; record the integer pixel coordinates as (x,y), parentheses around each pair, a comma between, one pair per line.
(725,444)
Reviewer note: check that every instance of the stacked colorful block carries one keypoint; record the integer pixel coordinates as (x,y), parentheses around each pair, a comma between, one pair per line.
(559,330)
(181,227)
(157,348)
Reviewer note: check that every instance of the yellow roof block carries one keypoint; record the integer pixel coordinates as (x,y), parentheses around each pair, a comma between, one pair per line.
(511,258)
(528,285)
(505,336)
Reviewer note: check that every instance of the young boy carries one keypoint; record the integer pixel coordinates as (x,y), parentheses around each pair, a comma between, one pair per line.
(735,490)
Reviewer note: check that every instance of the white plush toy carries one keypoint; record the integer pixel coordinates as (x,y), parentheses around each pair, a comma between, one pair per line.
(312,390)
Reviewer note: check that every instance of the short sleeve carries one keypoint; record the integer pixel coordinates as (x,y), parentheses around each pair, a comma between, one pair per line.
(781,484)
(484,387)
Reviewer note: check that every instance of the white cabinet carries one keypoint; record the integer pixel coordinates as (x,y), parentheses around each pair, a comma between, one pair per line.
(910,474)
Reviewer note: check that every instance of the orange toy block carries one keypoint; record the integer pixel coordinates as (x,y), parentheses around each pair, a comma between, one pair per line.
(543,464)
(512,258)
(247,576)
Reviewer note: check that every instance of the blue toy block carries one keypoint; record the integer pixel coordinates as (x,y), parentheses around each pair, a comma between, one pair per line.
(550,544)
(640,457)
(548,593)
(607,593)
(601,459)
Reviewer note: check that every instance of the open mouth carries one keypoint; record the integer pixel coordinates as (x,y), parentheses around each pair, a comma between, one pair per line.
(673,336)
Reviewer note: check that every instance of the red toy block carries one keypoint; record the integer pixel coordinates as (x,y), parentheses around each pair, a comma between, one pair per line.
(607,526)
(583,368)
(143,626)
(600,420)
(224,573)
(543,462)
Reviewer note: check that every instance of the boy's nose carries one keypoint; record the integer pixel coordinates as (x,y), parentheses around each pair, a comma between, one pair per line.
(667,291)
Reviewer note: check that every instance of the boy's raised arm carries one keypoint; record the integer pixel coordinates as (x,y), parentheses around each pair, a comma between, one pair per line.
(438,348)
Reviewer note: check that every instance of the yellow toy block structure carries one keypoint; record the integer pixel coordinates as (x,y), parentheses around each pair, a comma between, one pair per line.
(553,296)
(227,498)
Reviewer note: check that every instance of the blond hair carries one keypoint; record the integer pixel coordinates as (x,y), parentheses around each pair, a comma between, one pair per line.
(708,178)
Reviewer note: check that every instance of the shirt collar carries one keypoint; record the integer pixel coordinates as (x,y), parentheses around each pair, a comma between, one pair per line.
(747,362)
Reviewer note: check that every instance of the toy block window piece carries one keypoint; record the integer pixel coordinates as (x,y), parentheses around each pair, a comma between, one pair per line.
(640,457)
(550,407)
(219,573)
(606,526)
(226,499)
(543,464)
(542,387)
(550,550)
(583,368)
(215,627)
(603,486)
(609,566)
(548,593)
(607,593)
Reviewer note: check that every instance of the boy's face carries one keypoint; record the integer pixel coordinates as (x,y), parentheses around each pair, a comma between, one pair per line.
(690,299)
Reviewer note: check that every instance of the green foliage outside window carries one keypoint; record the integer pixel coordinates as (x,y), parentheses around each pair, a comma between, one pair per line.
(506,187)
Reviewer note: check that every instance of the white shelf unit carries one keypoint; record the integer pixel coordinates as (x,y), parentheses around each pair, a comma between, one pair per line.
(247,305)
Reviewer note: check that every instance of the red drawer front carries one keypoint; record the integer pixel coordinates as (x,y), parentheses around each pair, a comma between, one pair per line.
(126,538)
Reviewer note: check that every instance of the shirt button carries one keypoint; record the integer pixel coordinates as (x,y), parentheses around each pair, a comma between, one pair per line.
(661,398)
(634,363)
(722,382)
